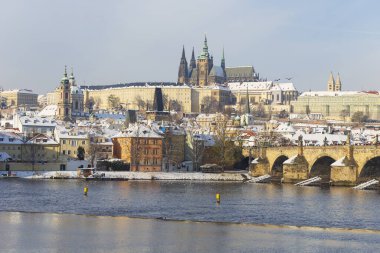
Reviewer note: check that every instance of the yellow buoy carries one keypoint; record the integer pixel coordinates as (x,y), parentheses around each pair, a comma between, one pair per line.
(85,190)
(217,196)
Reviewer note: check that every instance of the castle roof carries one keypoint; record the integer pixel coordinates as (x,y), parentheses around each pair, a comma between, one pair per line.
(216,71)
(243,71)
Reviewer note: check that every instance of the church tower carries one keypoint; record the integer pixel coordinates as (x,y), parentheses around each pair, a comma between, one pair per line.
(193,64)
(64,101)
(223,65)
(338,83)
(331,83)
(203,65)
(183,74)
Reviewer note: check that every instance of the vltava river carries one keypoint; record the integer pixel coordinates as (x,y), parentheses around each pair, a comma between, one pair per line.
(57,229)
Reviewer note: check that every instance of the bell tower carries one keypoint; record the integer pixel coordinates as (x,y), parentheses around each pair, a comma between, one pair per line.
(203,63)
(64,101)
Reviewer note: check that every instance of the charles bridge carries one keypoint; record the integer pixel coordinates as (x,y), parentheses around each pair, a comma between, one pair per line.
(339,165)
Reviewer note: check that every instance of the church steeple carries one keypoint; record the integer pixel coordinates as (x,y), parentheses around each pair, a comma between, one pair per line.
(193,64)
(183,74)
(72,78)
(205,53)
(331,83)
(338,83)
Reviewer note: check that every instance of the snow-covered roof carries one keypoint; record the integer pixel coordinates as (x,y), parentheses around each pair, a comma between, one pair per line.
(4,156)
(48,111)
(331,93)
(216,71)
(7,137)
(291,160)
(138,130)
(37,121)
(285,86)
(237,86)
(18,91)
(42,139)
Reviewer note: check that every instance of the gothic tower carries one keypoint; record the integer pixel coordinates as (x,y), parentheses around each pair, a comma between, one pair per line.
(223,66)
(64,101)
(331,83)
(183,74)
(193,64)
(203,65)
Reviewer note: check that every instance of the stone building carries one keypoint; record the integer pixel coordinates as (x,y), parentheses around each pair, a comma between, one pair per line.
(18,98)
(337,105)
(139,146)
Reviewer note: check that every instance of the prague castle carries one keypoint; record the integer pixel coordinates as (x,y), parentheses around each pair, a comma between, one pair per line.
(199,84)
(203,72)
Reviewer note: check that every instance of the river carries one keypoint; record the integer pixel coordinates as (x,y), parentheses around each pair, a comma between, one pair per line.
(163,211)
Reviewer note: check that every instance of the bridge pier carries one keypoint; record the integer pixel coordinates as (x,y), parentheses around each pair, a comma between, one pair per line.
(344,172)
(295,169)
(259,167)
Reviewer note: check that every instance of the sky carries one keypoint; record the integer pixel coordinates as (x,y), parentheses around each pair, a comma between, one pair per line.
(118,41)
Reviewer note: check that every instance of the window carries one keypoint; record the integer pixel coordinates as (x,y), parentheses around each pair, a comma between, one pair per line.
(69,152)
(63,141)
(73,143)
(64,152)
(83,142)
(146,151)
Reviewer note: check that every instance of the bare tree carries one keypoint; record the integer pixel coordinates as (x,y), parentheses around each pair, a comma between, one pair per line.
(197,151)
(210,105)
(113,101)
(224,150)
(140,102)
(175,105)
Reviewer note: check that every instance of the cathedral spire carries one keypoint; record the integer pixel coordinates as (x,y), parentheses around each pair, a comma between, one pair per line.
(193,64)
(183,73)
(183,52)
(65,71)
(223,62)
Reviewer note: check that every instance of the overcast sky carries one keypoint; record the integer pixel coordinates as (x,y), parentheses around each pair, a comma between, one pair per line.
(116,41)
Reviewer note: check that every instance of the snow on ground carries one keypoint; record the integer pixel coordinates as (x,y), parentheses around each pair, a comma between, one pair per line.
(129,175)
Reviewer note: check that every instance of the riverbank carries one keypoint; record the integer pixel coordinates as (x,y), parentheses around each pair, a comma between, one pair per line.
(239,176)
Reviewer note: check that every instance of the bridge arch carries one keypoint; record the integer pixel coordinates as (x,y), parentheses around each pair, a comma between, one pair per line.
(277,167)
(370,169)
(322,167)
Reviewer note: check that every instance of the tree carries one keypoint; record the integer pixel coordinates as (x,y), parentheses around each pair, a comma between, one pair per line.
(175,105)
(80,153)
(344,113)
(97,101)
(92,152)
(224,150)
(90,104)
(359,117)
(140,103)
(113,101)
(210,105)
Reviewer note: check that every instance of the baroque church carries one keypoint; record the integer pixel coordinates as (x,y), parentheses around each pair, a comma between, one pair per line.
(202,72)
(70,98)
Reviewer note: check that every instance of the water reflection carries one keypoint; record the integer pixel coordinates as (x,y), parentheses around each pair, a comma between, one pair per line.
(248,203)
(78,233)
